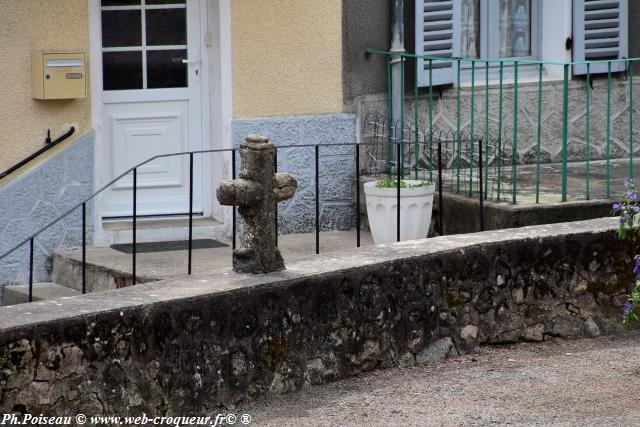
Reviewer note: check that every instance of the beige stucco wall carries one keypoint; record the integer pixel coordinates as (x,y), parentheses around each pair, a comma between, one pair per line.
(287,57)
(26,26)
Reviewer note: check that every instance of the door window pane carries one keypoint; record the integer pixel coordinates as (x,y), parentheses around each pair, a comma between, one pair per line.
(165,1)
(166,27)
(120,2)
(158,48)
(122,70)
(121,28)
(515,28)
(165,69)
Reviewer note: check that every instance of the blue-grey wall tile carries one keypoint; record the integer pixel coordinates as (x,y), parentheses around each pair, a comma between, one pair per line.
(337,165)
(36,198)
(337,216)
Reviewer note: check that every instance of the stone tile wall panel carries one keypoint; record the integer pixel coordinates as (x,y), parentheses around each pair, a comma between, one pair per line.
(36,198)
(445,107)
(337,166)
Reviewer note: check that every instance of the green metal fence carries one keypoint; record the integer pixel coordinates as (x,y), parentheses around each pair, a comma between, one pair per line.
(507,145)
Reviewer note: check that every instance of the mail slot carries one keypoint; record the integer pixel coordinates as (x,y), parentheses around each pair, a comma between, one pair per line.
(59,75)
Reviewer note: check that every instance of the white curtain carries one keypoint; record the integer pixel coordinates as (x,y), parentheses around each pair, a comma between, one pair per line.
(515,28)
(470,29)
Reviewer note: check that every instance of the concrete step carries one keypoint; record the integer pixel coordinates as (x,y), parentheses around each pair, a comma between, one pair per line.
(101,274)
(118,230)
(108,269)
(19,294)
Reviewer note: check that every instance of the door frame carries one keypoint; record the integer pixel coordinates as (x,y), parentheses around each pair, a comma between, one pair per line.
(215,51)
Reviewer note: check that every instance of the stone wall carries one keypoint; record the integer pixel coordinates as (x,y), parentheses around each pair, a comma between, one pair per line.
(445,108)
(195,345)
(36,198)
(337,167)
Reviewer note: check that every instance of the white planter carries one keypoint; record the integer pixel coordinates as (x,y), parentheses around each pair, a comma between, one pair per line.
(416,205)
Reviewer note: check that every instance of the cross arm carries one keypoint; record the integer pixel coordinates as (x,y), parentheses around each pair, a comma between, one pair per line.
(286,185)
(240,192)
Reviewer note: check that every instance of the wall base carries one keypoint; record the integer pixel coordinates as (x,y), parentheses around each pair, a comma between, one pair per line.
(193,345)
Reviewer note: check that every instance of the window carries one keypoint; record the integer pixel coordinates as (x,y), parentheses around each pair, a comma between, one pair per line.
(498,29)
(143,44)
(523,29)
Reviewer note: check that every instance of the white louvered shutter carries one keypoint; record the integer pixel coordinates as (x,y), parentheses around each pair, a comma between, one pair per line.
(437,35)
(600,31)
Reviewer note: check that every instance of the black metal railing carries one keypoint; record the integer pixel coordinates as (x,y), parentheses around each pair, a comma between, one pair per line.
(399,175)
(49,144)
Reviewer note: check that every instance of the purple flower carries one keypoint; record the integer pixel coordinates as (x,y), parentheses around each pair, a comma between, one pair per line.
(628,182)
(628,307)
(636,269)
(636,209)
(624,219)
(616,207)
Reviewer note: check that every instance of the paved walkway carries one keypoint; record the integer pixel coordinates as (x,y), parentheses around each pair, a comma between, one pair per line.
(167,265)
(551,181)
(589,382)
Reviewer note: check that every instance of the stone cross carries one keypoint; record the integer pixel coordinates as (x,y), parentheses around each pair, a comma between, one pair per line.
(256,192)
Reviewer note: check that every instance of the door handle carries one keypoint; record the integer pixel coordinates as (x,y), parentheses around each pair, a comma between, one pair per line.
(190,61)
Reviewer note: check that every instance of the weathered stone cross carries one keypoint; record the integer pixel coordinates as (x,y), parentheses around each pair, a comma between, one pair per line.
(256,193)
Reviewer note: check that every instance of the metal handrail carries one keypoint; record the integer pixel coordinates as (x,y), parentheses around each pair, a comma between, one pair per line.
(83,205)
(48,146)
(104,187)
(498,60)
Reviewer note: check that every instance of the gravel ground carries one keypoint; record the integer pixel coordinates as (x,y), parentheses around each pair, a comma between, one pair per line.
(588,382)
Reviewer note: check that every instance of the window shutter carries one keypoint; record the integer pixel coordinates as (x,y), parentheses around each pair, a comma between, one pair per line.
(437,34)
(600,32)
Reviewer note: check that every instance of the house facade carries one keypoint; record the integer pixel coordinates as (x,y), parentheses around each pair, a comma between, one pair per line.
(169,76)
(162,77)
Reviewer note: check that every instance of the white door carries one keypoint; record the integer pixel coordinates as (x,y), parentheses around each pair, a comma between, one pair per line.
(152,103)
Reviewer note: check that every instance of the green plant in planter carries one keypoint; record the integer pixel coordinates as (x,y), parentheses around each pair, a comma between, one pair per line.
(393,183)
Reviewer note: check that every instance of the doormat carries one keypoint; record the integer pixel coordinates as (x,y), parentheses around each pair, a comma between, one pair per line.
(171,246)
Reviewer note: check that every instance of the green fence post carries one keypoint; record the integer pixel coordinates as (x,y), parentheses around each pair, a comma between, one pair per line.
(608,146)
(400,164)
(499,148)
(630,120)
(473,111)
(430,120)
(486,129)
(458,124)
(565,134)
(539,133)
(390,126)
(415,117)
(588,134)
(514,146)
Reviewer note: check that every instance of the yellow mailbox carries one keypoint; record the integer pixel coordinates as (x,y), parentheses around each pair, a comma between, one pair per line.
(59,75)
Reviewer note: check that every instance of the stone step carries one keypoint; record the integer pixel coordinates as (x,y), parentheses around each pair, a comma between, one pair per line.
(101,275)
(108,269)
(19,294)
